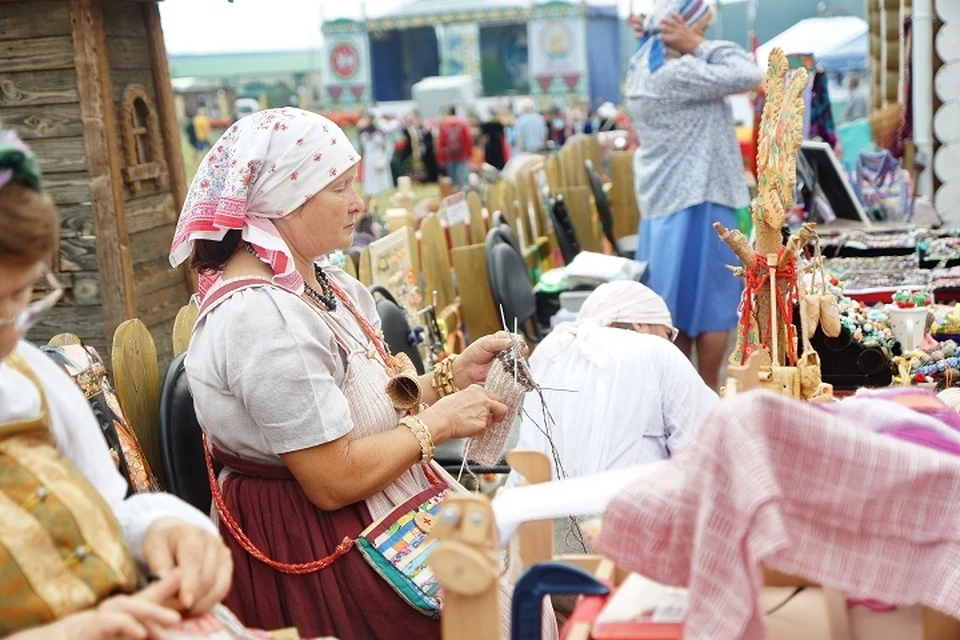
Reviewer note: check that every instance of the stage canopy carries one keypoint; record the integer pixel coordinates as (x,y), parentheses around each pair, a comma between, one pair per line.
(839,44)
(508,47)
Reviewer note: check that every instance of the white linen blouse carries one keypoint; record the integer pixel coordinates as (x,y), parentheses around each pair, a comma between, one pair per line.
(266,372)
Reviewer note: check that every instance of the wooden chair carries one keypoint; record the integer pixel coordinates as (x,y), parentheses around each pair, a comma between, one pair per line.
(350,267)
(365,272)
(64,339)
(581,214)
(479,313)
(137,380)
(551,165)
(183,327)
(623,196)
(459,235)
(435,261)
(478,224)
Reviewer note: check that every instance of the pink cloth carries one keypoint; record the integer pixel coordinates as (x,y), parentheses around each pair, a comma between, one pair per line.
(775,481)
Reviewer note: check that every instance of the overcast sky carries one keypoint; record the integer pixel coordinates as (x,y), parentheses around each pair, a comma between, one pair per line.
(217,26)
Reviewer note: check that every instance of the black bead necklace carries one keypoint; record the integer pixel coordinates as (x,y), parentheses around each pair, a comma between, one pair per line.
(326,298)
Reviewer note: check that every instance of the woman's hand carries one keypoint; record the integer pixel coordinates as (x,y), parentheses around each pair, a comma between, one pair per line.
(203,561)
(637,22)
(677,34)
(463,414)
(473,365)
(118,618)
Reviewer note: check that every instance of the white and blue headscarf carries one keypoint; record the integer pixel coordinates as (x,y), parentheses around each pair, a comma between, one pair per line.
(691,11)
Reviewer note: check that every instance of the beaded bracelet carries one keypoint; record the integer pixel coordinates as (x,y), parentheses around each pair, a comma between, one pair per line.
(422,433)
(443,382)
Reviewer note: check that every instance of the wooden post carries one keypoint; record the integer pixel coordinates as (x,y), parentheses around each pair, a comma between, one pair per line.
(466,563)
(103,164)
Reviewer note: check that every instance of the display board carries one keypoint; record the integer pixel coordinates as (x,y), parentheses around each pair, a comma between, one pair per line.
(827,174)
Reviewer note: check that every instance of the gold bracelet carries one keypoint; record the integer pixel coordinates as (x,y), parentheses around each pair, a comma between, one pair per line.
(442,382)
(422,434)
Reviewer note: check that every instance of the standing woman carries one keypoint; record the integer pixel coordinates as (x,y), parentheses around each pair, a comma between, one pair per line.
(688,170)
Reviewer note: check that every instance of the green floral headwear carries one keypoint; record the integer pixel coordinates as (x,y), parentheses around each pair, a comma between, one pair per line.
(17,162)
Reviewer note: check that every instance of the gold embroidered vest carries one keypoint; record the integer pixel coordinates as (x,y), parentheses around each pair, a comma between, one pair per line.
(61,548)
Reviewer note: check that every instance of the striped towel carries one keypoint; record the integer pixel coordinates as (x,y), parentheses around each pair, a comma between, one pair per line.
(775,481)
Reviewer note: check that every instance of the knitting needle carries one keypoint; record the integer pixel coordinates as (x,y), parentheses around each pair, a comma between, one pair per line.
(516,354)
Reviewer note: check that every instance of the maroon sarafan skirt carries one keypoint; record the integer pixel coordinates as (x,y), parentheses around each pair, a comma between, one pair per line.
(347,599)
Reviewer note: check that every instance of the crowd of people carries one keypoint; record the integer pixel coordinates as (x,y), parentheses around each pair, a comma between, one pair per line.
(462,138)
(297,394)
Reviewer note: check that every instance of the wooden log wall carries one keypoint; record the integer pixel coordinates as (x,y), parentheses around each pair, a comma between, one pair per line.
(151,213)
(39,99)
(874,25)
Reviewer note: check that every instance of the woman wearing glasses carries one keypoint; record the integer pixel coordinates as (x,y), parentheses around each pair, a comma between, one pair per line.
(69,541)
(620,392)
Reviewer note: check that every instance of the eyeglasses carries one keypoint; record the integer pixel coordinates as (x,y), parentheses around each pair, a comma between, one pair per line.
(35,310)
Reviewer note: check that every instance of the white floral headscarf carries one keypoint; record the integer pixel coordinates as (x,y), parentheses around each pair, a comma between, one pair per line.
(264,167)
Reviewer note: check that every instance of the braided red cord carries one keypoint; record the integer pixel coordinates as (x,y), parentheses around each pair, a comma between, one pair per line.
(368,330)
(754,281)
(234,528)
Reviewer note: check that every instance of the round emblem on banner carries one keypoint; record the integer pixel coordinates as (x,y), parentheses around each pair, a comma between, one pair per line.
(556,39)
(344,60)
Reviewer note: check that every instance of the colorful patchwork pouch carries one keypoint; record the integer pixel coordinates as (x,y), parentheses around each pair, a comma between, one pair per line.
(397,546)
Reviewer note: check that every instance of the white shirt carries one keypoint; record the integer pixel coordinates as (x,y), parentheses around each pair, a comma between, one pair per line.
(79,439)
(643,405)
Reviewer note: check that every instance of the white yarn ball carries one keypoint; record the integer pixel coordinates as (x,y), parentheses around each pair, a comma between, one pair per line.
(951,398)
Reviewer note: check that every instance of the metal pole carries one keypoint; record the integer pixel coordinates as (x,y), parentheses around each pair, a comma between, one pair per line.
(922,77)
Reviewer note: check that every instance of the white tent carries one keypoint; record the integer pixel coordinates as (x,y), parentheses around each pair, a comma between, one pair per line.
(819,36)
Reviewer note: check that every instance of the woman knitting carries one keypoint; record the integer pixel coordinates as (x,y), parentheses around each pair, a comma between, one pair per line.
(296,392)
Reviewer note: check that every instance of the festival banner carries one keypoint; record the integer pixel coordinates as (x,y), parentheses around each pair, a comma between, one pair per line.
(558,52)
(346,69)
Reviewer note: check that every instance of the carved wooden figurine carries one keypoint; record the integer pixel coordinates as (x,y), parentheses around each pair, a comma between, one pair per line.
(766,337)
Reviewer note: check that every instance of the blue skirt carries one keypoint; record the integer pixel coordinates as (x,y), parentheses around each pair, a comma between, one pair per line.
(685,266)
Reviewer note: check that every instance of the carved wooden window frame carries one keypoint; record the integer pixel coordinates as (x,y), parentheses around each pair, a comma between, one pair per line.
(135,171)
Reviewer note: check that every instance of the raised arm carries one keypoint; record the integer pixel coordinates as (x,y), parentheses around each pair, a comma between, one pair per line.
(714,70)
